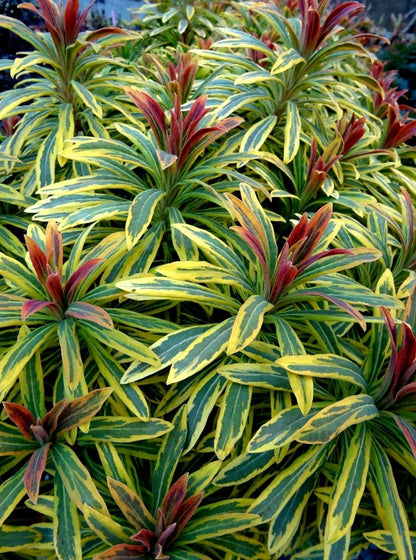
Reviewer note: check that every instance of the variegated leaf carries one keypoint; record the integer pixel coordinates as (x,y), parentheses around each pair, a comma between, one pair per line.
(350,486)
(248,323)
(140,214)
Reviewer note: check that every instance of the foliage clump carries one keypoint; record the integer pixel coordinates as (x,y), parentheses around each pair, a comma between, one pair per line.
(207,287)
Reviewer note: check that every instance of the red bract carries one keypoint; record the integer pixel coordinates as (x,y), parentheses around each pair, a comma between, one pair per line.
(317,170)
(399,380)
(314,31)
(351,131)
(9,125)
(390,96)
(62,418)
(177,79)
(297,252)
(183,137)
(398,129)
(171,519)
(48,266)
(257,56)
(64,24)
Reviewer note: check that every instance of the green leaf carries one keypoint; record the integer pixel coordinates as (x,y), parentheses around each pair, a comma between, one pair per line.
(217,525)
(244,467)
(140,214)
(257,134)
(280,430)
(20,277)
(232,418)
(276,496)
(76,478)
(200,404)
(248,323)
(73,367)
(119,429)
(339,550)
(200,479)
(65,130)
(13,442)
(201,352)
(337,417)
(17,538)
(46,160)
(167,348)
(241,546)
(202,271)
(129,394)
(105,527)
(290,344)
(327,366)
(145,287)
(382,476)
(267,376)
(168,458)
(87,98)
(385,541)
(288,59)
(350,486)
(293,129)
(80,410)
(66,527)
(336,263)
(184,247)
(117,340)
(284,526)
(12,491)
(15,359)
(131,505)
(215,249)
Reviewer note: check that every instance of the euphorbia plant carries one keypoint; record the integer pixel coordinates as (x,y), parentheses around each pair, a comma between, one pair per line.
(56,297)
(155,536)
(40,435)
(169,169)
(268,284)
(168,518)
(62,88)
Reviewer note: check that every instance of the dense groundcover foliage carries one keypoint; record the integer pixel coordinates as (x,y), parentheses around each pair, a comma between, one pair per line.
(207,287)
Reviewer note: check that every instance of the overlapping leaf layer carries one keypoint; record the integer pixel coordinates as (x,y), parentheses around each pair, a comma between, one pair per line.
(207,287)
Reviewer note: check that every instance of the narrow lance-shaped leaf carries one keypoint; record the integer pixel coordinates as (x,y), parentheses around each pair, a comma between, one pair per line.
(72,365)
(292,132)
(333,419)
(232,419)
(123,429)
(168,458)
(20,353)
(34,471)
(89,312)
(382,476)
(76,478)
(290,344)
(105,527)
(327,366)
(350,485)
(140,214)
(131,505)
(66,527)
(248,323)
(81,410)
(274,498)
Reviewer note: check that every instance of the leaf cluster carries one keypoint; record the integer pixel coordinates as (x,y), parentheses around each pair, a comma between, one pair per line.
(207,287)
